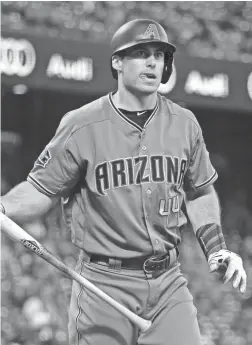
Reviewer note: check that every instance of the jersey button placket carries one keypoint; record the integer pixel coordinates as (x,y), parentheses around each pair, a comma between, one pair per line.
(146,193)
(143,147)
(154,241)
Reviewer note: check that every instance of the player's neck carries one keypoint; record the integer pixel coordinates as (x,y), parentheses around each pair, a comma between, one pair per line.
(126,100)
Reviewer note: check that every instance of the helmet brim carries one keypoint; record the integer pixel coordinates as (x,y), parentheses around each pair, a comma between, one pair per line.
(166,47)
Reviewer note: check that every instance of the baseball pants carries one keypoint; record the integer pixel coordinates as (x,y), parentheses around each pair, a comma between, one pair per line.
(165,300)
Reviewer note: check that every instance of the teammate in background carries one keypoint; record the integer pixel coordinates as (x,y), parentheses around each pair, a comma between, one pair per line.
(127,166)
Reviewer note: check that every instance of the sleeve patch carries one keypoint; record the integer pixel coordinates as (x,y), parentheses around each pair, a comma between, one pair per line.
(44,158)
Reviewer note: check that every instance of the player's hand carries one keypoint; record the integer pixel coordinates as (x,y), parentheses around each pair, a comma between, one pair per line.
(233,266)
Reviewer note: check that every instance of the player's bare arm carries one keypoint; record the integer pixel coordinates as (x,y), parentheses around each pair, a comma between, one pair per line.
(203,210)
(24,203)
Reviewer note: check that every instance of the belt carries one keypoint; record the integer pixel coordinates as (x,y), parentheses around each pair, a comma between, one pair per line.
(148,264)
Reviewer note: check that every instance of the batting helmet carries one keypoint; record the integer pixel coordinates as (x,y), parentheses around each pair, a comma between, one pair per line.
(141,31)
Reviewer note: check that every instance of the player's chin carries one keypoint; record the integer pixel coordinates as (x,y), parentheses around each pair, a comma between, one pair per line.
(148,88)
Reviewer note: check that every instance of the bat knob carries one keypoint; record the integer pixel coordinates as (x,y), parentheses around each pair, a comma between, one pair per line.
(146,325)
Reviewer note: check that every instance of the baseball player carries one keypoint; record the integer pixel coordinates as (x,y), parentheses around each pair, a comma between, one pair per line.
(132,168)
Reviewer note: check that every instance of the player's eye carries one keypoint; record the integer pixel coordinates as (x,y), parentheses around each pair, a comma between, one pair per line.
(141,54)
(159,54)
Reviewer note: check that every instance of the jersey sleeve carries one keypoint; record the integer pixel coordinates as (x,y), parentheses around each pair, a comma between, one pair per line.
(57,169)
(201,172)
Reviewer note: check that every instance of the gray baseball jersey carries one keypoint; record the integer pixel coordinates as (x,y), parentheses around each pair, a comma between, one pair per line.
(125,184)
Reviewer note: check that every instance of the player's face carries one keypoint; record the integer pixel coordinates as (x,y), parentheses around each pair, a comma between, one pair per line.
(142,68)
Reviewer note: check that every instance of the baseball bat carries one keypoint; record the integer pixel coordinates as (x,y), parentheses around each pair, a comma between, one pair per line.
(16,233)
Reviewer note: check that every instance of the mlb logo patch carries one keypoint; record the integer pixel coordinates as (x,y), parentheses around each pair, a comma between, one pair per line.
(151,33)
(44,158)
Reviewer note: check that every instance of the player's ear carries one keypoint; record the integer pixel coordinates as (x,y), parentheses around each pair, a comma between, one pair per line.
(117,62)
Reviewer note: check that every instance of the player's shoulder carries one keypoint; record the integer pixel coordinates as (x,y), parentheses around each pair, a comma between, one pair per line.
(88,114)
(175,109)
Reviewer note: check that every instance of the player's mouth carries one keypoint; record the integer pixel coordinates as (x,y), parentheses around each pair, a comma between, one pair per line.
(148,76)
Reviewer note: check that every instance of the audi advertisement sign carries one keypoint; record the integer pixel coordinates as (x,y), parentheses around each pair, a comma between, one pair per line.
(52,64)
(84,67)
(18,57)
(211,83)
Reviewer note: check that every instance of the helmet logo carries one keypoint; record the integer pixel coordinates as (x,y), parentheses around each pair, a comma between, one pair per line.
(151,32)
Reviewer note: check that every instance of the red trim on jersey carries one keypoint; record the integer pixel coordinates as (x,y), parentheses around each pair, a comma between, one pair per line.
(204,184)
(39,186)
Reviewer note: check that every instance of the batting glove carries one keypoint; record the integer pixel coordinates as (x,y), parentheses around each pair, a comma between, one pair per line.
(233,266)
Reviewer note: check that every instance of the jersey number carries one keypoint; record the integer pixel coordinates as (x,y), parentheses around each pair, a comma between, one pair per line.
(170,209)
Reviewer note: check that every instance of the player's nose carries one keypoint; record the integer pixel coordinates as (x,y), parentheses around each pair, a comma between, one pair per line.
(151,61)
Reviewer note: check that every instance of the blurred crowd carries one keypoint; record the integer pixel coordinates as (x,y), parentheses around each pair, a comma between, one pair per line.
(35,295)
(216,29)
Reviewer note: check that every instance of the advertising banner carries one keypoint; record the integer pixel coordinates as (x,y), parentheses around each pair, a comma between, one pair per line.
(53,64)
(210,83)
(84,67)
